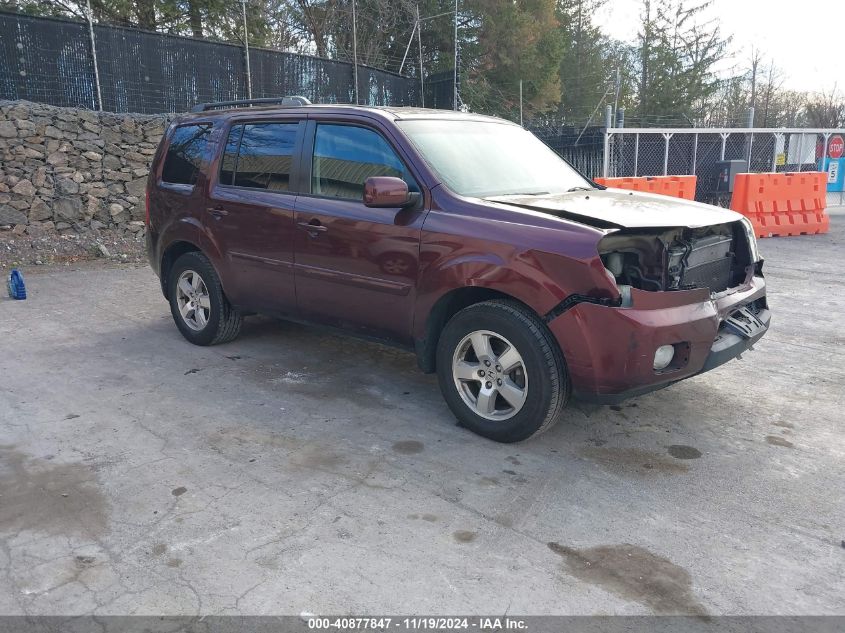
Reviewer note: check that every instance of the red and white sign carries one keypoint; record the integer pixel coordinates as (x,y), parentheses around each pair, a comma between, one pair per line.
(836,146)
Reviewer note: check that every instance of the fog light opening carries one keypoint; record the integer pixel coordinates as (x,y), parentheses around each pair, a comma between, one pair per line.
(663,356)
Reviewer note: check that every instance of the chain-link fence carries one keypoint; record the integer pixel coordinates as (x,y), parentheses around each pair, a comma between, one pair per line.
(74,64)
(712,154)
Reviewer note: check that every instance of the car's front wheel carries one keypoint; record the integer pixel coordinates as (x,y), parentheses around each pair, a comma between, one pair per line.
(501,372)
(200,309)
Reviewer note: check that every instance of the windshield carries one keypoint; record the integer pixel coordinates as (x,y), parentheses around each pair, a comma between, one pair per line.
(484,159)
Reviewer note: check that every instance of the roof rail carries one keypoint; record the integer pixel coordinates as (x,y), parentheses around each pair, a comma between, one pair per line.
(287,102)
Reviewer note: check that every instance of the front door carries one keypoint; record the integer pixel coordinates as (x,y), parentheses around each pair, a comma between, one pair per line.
(356,267)
(250,214)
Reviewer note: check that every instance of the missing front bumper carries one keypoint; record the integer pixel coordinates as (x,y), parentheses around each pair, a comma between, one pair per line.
(729,344)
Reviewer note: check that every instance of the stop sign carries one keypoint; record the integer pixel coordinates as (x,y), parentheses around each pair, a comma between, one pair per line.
(836,146)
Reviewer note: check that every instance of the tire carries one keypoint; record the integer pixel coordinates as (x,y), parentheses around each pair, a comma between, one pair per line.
(220,322)
(537,387)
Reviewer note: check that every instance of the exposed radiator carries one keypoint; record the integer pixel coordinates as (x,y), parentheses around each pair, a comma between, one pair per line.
(705,262)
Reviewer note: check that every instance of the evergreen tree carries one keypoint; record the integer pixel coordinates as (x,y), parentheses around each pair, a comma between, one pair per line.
(507,42)
(676,57)
(585,74)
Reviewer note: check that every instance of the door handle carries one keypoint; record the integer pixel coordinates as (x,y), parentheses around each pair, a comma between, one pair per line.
(313,227)
(217,212)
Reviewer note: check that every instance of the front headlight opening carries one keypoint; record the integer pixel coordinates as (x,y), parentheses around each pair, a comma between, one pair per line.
(752,240)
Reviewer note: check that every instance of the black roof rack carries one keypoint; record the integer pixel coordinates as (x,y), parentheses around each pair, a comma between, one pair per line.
(287,102)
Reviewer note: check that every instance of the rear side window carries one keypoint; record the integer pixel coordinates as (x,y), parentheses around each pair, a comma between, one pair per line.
(259,156)
(345,156)
(184,154)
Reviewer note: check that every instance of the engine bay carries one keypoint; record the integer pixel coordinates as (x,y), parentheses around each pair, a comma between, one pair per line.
(665,259)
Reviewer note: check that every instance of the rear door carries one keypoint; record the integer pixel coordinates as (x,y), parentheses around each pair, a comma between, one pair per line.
(250,212)
(356,267)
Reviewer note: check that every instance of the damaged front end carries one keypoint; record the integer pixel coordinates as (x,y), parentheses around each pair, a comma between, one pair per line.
(717,258)
(690,299)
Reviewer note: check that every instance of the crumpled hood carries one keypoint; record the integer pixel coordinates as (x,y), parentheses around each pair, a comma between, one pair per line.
(618,208)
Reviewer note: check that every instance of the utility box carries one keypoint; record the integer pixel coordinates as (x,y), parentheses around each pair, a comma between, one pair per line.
(726,171)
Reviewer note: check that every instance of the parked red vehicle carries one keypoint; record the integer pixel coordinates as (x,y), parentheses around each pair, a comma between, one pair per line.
(518,280)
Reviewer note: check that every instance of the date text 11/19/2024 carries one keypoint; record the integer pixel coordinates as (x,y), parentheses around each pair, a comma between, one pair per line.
(416,623)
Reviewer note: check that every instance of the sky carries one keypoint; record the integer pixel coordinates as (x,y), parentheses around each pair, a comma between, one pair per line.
(806,40)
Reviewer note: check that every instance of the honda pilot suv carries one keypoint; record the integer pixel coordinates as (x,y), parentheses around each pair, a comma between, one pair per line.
(516,279)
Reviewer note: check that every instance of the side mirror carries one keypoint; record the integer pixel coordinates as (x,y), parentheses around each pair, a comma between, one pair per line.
(387,191)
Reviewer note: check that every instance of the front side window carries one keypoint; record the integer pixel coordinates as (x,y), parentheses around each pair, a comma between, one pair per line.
(483,159)
(345,156)
(259,156)
(184,154)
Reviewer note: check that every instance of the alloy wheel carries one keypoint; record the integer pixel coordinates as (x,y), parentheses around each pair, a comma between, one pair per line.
(193,300)
(489,374)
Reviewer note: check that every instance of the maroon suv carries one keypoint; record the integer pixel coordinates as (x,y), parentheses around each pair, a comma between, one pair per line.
(463,237)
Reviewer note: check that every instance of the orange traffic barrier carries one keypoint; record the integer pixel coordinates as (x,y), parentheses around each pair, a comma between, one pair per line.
(675,186)
(783,204)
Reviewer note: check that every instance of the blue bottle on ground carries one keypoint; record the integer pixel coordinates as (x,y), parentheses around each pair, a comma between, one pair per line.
(17,289)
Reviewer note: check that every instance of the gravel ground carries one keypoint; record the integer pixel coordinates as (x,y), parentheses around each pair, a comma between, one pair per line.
(38,247)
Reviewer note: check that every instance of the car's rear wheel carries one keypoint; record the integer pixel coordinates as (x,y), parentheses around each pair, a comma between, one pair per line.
(200,309)
(501,372)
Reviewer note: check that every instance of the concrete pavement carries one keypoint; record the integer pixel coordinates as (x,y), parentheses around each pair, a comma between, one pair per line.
(293,470)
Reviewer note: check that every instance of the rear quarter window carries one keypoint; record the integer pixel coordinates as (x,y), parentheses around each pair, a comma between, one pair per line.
(184,154)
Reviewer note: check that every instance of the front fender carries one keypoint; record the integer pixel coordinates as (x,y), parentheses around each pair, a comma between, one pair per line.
(538,278)
(516,277)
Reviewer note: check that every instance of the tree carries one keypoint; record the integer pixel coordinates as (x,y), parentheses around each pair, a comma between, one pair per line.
(728,106)
(825,109)
(589,61)
(756,57)
(676,57)
(145,13)
(567,66)
(505,42)
(770,90)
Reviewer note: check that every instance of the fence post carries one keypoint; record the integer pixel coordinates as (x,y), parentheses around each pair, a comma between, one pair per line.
(88,15)
(750,145)
(246,54)
(694,152)
(419,42)
(608,123)
(636,152)
(778,136)
(750,140)
(824,149)
(800,150)
(724,136)
(455,78)
(666,136)
(355,52)
(620,145)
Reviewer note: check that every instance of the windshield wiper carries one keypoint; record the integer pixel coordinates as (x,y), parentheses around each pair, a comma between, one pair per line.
(571,189)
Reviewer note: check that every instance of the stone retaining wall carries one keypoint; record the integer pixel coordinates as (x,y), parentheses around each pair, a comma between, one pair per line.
(74,170)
